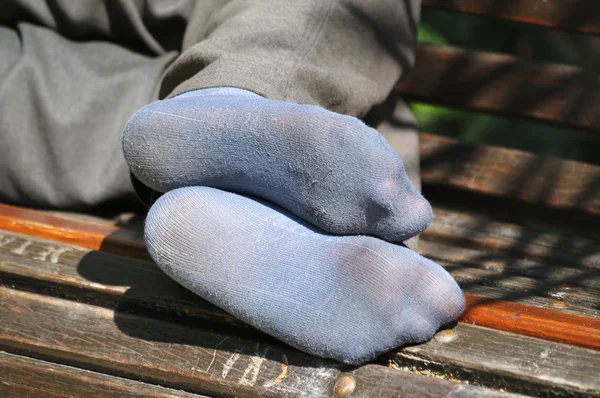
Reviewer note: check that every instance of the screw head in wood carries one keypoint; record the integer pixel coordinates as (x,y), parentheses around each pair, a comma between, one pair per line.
(445,336)
(559,304)
(344,386)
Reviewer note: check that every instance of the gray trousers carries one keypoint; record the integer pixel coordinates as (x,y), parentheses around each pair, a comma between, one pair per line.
(73,71)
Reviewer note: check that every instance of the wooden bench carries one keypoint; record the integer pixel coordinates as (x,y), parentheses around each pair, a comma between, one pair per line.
(84,312)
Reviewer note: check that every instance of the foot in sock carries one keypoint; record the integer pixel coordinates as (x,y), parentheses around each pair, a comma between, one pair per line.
(342,297)
(328,169)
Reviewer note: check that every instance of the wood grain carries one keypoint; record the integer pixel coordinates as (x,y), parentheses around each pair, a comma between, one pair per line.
(95,236)
(495,267)
(509,242)
(23,377)
(504,85)
(136,285)
(104,279)
(505,360)
(377,381)
(573,15)
(531,321)
(505,173)
(188,358)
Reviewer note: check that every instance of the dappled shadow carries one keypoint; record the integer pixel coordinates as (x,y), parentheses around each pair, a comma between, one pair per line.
(504,85)
(191,332)
(549,245)
(575,16)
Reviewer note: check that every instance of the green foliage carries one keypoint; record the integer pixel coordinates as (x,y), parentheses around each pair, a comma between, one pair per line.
(543,44)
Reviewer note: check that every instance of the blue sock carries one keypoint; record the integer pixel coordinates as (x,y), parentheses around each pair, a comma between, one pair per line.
(328,169)
(342,297)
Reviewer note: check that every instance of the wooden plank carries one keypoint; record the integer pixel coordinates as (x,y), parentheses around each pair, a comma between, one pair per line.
(23,377)
(494,267)
(104,279)
(382,382)
(531,321)
(572,15)
(188,358)
(468,268)
(497,240)
(504,84)
(135,285)
(505,360)
(95,236)
(511,174)
(495,293)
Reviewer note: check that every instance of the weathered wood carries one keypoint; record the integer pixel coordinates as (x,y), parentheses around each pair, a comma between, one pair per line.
(380,382)
(572,15)
(96,236)
(495,293)
(23,377)
(135,285)
(187,358)
(101,278)
(471,266)
(497,239)
(532,321)
(511,174)
(505,85)
(507,361)
(495,267)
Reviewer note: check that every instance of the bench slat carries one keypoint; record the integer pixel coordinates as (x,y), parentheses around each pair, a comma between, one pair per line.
(521,277)
(506,173)
(89,273)
(138,286)
(91,235)
(502,239)
(22,377)
(574,15)
(507,361)
(503,84)
(192,359)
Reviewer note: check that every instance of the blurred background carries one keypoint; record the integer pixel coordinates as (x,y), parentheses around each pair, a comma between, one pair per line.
(526,41)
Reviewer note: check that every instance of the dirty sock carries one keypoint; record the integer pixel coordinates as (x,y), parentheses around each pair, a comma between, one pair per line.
(328,169)
(342,297)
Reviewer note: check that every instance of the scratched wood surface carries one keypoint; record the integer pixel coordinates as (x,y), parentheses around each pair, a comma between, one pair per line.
(573,15)
(188,358)
(138,286)
(505,85)
(507,239)
(506,360)
(20,255)
(482,274)
(23,377)
(511,174)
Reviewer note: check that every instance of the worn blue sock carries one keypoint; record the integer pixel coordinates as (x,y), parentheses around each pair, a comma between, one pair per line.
(342,297)
(328,169)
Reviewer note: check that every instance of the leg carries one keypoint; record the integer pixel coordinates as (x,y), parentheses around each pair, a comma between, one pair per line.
(64,104)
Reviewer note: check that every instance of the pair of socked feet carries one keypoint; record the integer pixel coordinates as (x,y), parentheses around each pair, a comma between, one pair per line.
(306,249)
